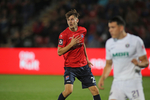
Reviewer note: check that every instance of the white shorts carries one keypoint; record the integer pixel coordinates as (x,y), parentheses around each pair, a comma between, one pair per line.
(131,89)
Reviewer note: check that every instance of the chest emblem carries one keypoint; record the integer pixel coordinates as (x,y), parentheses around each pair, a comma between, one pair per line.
(127,45)
(82,35)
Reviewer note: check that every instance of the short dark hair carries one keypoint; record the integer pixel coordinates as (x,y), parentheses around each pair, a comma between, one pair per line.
(118,19)
(72,12)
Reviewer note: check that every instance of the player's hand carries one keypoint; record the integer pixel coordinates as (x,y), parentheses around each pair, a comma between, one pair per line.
(101,84)
(89,63)
(135,62)
(75,40)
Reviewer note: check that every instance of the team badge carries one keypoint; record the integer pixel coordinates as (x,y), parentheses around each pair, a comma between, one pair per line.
(82,35)
(60,41)
(127,45)
(67,77)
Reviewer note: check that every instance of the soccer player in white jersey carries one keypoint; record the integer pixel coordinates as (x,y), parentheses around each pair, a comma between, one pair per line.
(127,53)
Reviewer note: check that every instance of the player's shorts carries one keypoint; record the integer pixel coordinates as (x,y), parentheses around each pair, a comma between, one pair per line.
(83,74)
(131,89)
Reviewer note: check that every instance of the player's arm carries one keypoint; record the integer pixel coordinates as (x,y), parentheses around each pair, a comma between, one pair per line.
(89,63)
(105,74)
(142,63)
(63,50)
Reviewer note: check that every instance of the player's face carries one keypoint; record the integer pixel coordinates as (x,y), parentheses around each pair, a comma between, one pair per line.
(114,29)
(72,21)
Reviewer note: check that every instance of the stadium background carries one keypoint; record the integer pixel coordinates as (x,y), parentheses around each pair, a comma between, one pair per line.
(29,32)
(37,23)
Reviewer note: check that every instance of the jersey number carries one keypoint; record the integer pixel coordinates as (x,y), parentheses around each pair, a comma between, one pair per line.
(93,79)
(135,94)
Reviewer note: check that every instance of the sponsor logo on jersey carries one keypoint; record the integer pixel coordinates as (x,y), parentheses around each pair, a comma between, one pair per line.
(112,48)
(121,54)
(67,77)
(60,41)
(70,37)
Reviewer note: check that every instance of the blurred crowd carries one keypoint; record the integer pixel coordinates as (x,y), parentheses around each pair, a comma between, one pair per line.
(15,16)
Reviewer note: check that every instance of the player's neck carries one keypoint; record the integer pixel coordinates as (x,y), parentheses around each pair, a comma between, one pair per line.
(122,35)
(74,29)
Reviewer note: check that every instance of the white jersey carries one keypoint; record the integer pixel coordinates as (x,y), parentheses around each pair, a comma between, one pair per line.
(122,52)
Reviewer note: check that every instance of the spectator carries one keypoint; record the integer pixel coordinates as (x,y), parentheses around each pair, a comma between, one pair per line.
(15,14)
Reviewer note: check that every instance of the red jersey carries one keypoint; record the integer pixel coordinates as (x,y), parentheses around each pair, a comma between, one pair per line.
(75,56)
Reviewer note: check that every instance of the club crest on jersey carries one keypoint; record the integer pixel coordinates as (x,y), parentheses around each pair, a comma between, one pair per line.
(60,41)
(67,77)
(127,45)
(82,35)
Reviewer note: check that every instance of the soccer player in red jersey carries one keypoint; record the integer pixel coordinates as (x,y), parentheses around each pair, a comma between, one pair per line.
(71,46)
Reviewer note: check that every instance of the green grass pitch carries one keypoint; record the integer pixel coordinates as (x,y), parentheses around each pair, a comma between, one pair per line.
(47,87)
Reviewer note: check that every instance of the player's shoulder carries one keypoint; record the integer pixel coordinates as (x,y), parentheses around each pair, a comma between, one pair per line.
(65,31)
(82,28)
(110,41)
(134,37)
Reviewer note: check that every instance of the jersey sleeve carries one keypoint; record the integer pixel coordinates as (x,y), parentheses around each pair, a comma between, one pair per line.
(85,32)
(140,48)
(62,40)
(108,54)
